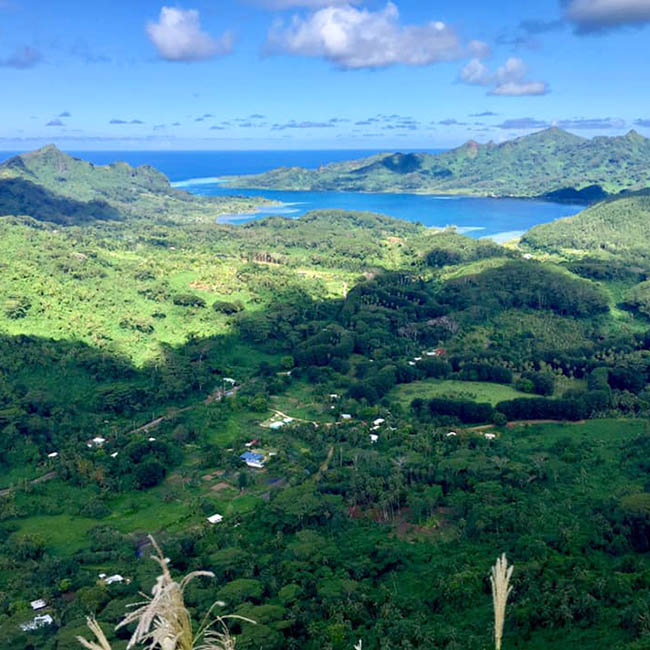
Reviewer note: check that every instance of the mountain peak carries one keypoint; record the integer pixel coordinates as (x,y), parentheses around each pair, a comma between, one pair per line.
(557,133)
(47,150)
(634,135)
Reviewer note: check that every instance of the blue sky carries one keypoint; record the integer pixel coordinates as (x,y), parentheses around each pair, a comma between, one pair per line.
(283,74)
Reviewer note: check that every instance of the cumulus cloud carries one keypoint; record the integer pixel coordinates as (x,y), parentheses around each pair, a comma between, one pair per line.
(508,80)
(23,58)
(591,16)
(476,72)
(358,38)
(178,36)
(55,123)
(65,114)
(642,122)
(483,114)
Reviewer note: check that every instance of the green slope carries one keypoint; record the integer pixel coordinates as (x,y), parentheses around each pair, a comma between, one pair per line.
(553,162)
(612,227)
(49,185)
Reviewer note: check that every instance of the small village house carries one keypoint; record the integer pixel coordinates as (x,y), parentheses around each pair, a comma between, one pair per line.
(253,460)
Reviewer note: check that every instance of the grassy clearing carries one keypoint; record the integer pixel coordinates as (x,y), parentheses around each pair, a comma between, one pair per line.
(477,391)
(63,534)
(300,401)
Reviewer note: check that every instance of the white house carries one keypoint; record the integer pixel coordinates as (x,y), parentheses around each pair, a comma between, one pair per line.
(215,519)
(379,421)
(411,363)
(96,442)
(152,439)
(287,420)
(452,434)
(276,425)
(117,578)
(54,454)
(373,438)
(230,380)
(333,396)
(346,416)
(114,454)
(489,436)
(38,604)
(37,622)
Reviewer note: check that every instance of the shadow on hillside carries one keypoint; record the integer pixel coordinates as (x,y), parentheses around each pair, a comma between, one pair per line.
(22,197)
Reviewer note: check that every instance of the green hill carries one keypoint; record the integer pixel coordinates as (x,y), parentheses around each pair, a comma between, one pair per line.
(551,162)
(50,185)
(613,227)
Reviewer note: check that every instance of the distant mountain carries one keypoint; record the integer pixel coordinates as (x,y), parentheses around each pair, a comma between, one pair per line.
(81,180)
(618,226)
(551,162)
(50,185)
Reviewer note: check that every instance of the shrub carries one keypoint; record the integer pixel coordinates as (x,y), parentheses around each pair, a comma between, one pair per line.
(188,300)
(228,308)
(17,307)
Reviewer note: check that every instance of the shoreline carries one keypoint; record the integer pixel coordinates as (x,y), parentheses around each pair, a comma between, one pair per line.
(461,194)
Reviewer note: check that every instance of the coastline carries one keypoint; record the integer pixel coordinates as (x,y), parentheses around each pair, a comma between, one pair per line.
(452,193)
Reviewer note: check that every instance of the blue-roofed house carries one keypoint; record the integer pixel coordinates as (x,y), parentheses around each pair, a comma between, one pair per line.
(253,460)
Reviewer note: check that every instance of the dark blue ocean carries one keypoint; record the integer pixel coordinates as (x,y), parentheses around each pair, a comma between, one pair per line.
(198,172)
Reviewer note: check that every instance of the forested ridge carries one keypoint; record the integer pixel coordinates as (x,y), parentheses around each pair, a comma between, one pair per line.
(418,401)
(551,163)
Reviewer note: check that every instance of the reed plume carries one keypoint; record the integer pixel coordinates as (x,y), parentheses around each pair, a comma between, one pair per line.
(500,581)
(163,621)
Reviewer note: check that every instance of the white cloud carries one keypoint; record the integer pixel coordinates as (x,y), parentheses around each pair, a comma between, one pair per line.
(509,79)
(599,15)
(358,38)
(520,88)
(178,37)
(477,73)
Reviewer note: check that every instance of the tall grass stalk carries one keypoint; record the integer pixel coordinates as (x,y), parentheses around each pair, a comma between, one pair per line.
(500,581)
(163,621)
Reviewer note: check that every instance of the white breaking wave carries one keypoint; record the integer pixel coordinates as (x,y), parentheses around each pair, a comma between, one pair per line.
(210,180)
(463,229)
